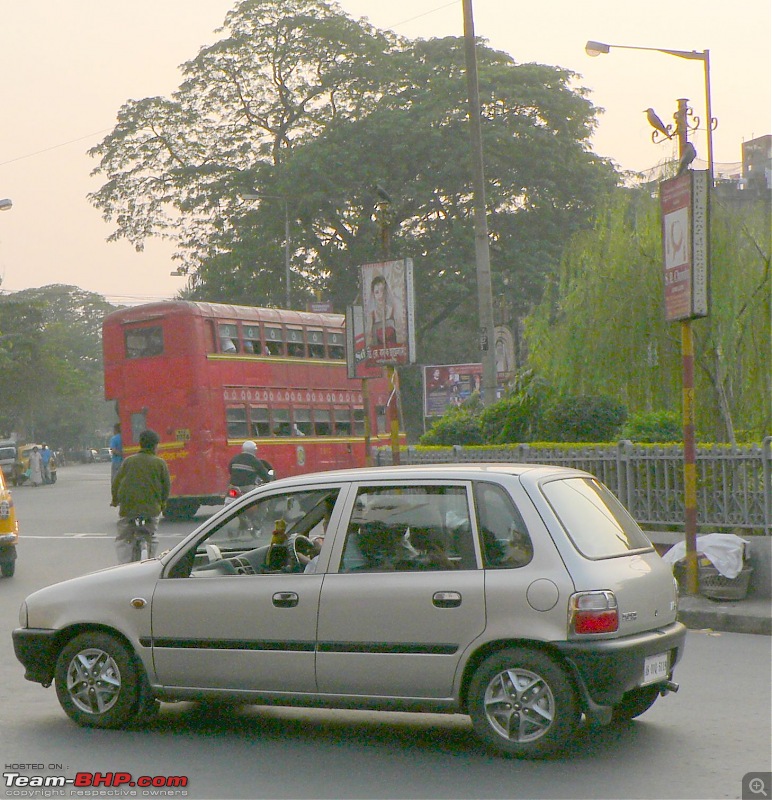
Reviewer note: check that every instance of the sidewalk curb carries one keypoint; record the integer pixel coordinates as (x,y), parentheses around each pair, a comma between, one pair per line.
(699,613)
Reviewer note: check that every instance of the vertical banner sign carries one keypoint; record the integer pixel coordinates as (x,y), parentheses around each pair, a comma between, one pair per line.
(685,245)
(389,315)
(356,352)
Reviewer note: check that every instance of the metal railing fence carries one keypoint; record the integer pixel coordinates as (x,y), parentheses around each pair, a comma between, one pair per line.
(734,484)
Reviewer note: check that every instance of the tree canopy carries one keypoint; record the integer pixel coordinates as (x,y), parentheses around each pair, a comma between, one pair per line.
(310,108)
(51,362)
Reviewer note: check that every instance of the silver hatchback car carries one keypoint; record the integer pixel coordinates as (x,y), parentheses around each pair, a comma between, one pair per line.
(524,596)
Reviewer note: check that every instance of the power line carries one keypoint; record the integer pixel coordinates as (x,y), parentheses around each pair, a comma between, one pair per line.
(53,147)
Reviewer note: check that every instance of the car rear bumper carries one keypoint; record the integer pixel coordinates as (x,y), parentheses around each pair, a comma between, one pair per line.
(606,669)
(36,648)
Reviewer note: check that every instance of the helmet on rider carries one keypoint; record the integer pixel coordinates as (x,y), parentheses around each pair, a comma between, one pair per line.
(249,447)
(148,440)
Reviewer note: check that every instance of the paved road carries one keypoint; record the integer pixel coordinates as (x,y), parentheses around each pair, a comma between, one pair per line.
(696,744)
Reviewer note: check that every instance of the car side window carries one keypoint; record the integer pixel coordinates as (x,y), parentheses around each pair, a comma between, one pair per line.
(504,537)
(409,528)
(278,533)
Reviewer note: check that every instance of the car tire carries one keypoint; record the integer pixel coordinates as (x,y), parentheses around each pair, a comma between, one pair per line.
(99,682)
(634,703)
(522,703)
(7,568)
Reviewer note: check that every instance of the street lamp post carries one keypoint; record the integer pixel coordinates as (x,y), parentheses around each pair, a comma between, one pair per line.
(687,342)
(595,49)
(287,272)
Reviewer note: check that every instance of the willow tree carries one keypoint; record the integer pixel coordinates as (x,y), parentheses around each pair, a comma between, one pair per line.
(601,325)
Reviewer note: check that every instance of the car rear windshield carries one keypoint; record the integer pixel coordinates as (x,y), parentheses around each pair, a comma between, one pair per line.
(7,452)
(595,521)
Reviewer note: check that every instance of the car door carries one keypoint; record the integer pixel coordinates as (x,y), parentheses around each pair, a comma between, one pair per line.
(405,597)
(241,629)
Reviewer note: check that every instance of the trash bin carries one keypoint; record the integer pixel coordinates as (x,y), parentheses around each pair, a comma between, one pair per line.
(722,570)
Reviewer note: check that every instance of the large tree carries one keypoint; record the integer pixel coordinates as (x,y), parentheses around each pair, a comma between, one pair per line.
(302,104)
(51,358)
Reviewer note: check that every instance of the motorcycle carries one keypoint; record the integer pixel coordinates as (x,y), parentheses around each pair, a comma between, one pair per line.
(141,540)
(247,524)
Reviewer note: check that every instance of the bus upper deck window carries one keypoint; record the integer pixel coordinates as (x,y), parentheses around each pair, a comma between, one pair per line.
(336,346)
(259,421)
(144,342)
(229,338)
(296,347)
(281,422)
(252,343)
(303,422)
(315,344)
(322,422)
(274,341)
(342,422)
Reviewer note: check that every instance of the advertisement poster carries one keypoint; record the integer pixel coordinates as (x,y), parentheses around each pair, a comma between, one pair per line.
(449,385)
(387,299)
(683,201)
(357,362)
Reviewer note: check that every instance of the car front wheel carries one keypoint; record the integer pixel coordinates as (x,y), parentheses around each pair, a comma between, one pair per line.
(522,703)
(98,681)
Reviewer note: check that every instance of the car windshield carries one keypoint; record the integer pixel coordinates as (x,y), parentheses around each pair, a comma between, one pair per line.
(596,522)
(7,452)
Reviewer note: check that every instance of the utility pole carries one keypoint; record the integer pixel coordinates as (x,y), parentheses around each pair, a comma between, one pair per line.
(482,253)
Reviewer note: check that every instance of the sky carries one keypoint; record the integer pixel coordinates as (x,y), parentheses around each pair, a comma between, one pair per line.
(67,67)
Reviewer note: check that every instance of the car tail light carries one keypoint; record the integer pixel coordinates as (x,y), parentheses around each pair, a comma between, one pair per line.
(593,612)
(233,492)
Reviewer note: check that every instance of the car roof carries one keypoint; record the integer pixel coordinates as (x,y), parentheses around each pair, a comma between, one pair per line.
(476,471)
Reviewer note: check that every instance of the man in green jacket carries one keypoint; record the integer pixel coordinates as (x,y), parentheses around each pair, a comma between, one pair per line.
(140,489)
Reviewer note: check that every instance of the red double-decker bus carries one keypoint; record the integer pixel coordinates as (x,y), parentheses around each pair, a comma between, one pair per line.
(207,377)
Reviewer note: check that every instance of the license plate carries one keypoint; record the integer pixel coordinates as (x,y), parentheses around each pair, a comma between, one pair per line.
(656,668)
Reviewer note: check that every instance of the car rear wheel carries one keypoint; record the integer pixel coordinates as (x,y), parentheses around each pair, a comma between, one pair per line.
(635,702)
(98,681)
(522,703)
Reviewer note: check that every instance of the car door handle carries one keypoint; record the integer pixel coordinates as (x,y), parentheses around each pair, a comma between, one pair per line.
(446,599)
(285,599)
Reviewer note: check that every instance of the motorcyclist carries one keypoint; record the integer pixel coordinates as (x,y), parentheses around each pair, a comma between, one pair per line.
(140,488)
(246,469)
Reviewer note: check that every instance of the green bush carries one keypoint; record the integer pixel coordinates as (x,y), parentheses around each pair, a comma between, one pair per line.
(653,426)
(583,418)
(457,426)
(507,420)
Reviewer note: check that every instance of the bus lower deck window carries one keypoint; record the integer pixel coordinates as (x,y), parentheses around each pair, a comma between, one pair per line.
(281,422)
(359,422)
(322,422)
(259,421)
(303,422)
(342,422)
(236,417)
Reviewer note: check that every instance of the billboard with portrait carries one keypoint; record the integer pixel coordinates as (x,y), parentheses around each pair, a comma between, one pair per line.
(387,300)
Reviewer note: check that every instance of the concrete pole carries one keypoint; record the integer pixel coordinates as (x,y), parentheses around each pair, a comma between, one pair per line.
(482,253)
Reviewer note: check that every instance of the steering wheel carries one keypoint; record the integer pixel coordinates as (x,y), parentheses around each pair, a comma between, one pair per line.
(212,553)
(302,546)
